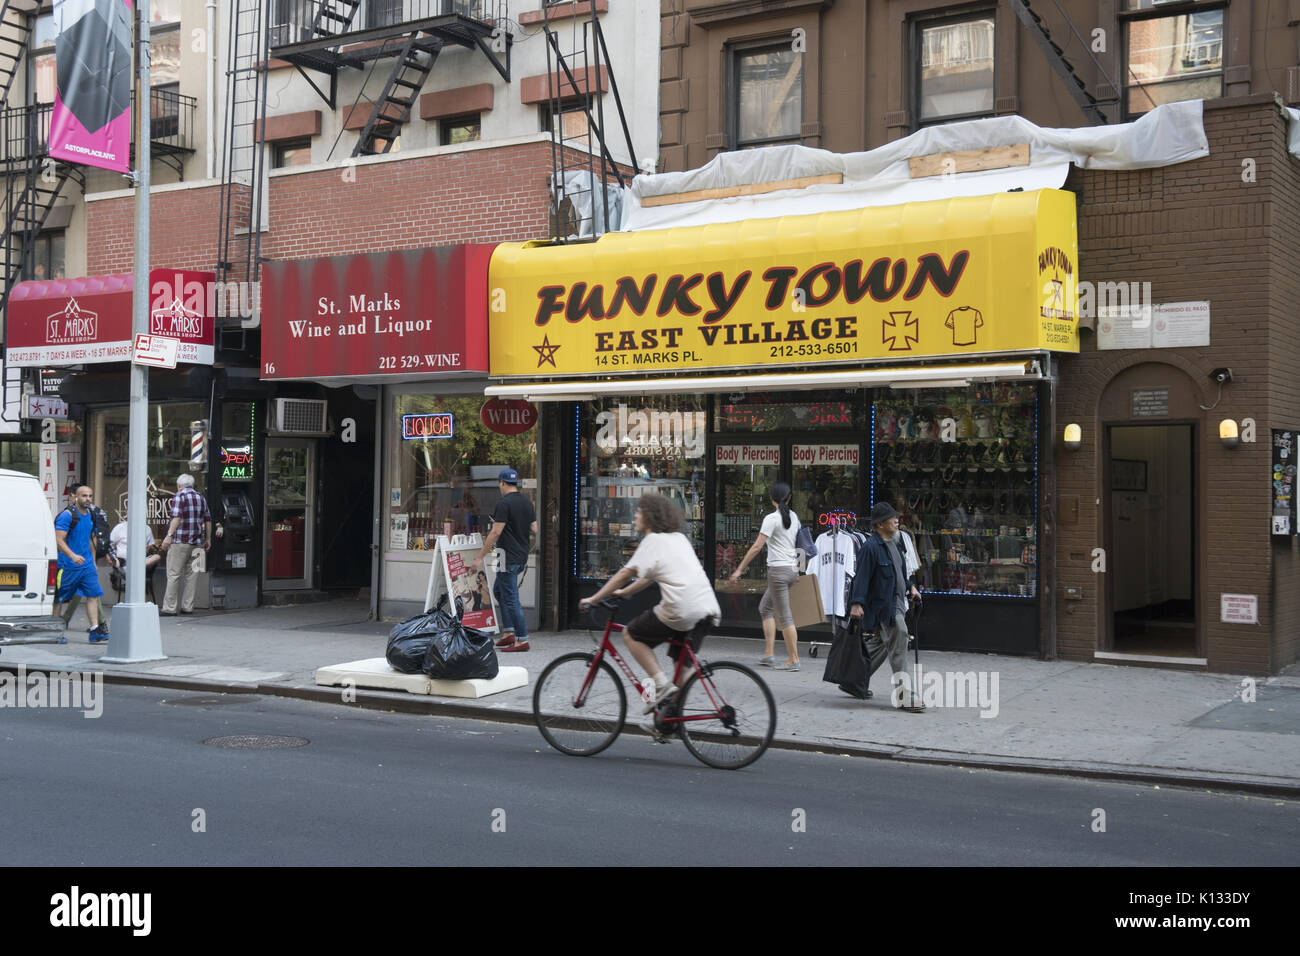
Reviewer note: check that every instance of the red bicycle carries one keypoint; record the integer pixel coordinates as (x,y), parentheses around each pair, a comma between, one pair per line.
(724,713)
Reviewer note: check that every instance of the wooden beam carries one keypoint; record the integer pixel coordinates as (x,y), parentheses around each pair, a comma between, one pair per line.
(969,161)
(754,189)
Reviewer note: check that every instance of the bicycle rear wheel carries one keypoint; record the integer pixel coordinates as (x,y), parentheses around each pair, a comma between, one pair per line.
(579,727)
(740,712)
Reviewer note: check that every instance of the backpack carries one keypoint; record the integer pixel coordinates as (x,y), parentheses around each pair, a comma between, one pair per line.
(99,531)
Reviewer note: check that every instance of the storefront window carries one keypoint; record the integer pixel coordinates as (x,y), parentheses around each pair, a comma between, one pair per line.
(961,467)
(443,464)
(172,428)
(631,446)
(21,456)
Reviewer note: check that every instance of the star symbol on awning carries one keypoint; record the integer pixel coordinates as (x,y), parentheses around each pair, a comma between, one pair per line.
(910,332)
(546,352)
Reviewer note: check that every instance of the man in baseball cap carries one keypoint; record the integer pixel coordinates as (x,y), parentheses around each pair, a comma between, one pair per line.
(879,601)
(512,521)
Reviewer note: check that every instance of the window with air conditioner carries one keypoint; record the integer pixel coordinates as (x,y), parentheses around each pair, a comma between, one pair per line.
(1172,58)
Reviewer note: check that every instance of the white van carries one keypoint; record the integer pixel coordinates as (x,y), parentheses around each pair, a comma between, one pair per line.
(29,563)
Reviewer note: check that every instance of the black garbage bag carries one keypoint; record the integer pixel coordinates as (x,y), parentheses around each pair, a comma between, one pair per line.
(457,652)
(408,642)
(846,664)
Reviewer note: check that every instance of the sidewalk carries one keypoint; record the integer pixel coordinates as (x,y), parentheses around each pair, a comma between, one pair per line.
(1105,720)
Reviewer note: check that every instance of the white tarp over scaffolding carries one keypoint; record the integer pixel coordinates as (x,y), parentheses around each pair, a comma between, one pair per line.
(1293,142)
(1169,134)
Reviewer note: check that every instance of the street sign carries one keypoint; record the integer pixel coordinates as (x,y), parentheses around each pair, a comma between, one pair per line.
(158,351)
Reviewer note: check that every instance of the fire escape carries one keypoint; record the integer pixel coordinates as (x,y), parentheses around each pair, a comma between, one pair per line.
(1055,40)
(327,37)
(586,181)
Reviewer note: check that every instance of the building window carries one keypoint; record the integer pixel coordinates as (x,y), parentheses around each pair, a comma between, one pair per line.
(383,13)
(570,123)
(294,152)
(955,68)
(164,63)
(462,129)
(766,95)
(49,259)
(1173,58)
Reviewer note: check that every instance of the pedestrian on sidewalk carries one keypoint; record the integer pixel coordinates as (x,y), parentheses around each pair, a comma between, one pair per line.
(513,521)
(879,600)
(190,528)
(777,534)
(74,532)
(117,544)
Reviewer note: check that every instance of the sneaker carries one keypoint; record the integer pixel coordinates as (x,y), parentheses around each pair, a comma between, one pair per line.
(647,723)
(661,695)
(505,640)
(914,708)
(63,639)
(767,661)
(516,646)
(786,667)
(98,634)
(853,693)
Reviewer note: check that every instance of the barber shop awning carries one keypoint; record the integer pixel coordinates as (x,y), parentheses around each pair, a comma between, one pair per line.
(86,321)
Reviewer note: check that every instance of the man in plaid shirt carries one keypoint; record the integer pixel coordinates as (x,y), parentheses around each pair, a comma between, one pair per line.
(191,528)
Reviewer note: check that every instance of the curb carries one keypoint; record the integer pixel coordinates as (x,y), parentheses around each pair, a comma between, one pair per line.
(412,704)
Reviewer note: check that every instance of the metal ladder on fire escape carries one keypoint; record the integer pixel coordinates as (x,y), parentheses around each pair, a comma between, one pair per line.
(1033,21)
(15,31)
(392,110)
(583,201)
(334,17)
(242,172)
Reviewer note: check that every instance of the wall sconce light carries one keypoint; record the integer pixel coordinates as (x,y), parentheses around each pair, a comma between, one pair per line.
(1228,433)
(1073,437)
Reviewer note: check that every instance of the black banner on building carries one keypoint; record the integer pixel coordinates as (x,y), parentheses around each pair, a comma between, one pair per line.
(1284,481)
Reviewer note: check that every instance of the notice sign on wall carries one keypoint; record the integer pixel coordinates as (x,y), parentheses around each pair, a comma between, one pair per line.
(1283,482)
(1239,608)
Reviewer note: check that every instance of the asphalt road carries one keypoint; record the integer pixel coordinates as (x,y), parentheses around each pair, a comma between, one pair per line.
(138,786)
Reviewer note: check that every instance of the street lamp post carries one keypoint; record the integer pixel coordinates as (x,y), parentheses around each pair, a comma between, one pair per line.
(135,634)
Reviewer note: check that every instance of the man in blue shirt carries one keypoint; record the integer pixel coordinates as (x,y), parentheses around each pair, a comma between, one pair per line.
(74,530)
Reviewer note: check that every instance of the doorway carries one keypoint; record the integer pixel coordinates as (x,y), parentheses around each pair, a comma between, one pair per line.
(290,512)
(1152,545)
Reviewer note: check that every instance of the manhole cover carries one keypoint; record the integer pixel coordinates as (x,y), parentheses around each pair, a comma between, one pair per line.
(257,742)
(209,699)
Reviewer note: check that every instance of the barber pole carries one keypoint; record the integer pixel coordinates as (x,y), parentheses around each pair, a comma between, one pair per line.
(198,443)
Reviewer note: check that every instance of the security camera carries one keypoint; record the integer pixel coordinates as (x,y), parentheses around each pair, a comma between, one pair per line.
(1221,375)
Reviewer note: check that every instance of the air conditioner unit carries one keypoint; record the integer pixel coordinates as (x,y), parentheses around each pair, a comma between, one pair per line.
(300,416)
(283,34)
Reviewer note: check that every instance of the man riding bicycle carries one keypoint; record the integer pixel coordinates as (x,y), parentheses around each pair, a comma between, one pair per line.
(664,557)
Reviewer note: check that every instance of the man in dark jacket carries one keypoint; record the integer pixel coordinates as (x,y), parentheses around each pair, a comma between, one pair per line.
(879,601)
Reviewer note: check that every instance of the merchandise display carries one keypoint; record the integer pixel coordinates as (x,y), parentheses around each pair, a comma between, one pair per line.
(961,467)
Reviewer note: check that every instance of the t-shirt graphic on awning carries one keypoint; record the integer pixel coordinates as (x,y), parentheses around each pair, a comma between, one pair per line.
(964,323)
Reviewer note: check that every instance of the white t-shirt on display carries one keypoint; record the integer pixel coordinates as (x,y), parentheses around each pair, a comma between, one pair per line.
(684,589)
(834,567)
(780,540)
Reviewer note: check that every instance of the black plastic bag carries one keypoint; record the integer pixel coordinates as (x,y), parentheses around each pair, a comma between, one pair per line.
(408,642)
(846,664)
(457,652)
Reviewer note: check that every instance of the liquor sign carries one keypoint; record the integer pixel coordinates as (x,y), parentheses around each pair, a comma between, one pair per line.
(508,416)
(954,277)
(62,322)
(427,425)
(410,314)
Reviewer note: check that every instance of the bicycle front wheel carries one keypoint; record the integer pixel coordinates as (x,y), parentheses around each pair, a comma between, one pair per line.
(578,709)
(729,715)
